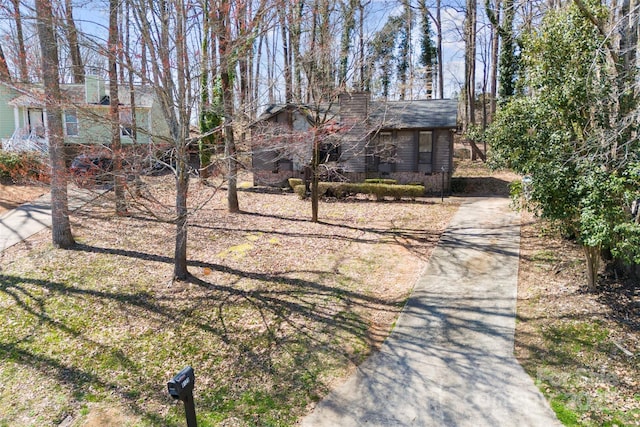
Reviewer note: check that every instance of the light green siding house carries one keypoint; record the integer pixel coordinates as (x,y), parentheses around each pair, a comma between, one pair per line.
(23,123)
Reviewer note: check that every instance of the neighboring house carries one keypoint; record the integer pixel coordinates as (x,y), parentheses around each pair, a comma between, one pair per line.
(409,141)
(23,120)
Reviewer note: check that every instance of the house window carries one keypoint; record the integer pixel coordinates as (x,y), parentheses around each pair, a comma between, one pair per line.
(329,152)
(386,150)
(126,120)
(425,148)
(71,123)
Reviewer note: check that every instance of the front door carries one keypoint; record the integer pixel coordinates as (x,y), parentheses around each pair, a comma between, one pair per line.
(36,122)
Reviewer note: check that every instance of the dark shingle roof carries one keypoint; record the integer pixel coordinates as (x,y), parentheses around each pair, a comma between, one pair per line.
(422,114)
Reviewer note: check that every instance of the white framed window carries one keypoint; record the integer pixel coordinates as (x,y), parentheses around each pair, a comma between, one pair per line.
(70,123)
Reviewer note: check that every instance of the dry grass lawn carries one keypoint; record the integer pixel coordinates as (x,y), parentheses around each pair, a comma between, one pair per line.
(278,309)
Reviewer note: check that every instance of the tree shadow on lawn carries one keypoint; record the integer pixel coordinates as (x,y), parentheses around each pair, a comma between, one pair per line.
(412,240)
(290,299)
(298,306)
(79,382)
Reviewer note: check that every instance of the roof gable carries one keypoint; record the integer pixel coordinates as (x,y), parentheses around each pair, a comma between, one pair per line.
(32,95)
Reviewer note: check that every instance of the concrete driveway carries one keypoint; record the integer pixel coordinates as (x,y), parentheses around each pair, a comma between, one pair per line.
(26,220)
(449,361)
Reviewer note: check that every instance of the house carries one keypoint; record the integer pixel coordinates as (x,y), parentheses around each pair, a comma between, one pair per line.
(23,122)
(409,141)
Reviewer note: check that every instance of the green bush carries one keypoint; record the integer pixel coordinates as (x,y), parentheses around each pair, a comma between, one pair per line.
(380,181)
(294,182)
(22,167)
(380,191)
(458,184)
(300,190)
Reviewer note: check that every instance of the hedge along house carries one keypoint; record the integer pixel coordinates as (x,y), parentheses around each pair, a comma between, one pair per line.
(408,141)
(23,120)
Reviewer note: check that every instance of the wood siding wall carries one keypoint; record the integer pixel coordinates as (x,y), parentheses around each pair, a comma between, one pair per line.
(406,151)
(442,155)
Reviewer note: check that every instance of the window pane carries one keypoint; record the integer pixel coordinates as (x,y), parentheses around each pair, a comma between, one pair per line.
(425,147)
(125,122)
(71,122)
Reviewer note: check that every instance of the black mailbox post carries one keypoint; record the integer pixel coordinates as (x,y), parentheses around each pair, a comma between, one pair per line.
(181,387)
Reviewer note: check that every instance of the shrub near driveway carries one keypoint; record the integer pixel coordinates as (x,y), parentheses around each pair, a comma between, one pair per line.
(379,190)
(23,167)
(278,310)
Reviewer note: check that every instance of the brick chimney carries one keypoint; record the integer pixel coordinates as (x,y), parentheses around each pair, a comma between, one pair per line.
(354,120)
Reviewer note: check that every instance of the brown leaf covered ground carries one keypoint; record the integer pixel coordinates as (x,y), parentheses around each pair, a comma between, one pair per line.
(279,309)
(13,195)
(582,348)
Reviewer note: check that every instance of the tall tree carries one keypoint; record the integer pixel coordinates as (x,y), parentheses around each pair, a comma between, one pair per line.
(74,46)
(114,108)
(469,119)
(438,22)
(404,49)
(382,53)
(162,27)
(348,27)
(470,25)
(286,57)
(61,227)
(22,51)
(570,133)
(508,59)
(4,68)
(225,53)
(493,12)
(428,52)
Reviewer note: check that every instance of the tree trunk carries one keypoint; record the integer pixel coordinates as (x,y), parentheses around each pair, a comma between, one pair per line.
(362,85)
(470,64)
(470,76)
(74,46)
(204,148)
(315,163)
(495,46)
(439,47)
(61,227)
(182,162)
(114,110)
(22,51)
(4,69)
(592,255)
(225,52)
(286,58)
(132,94)
(296,13)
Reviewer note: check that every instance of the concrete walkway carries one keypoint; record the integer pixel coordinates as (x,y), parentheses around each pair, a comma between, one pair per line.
(28,219)
(449,360)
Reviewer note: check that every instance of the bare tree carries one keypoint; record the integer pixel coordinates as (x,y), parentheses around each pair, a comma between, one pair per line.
(4,69)
(493,13)
(74,46)
(162,27)
(61,227)
(22,51)
(114,110)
